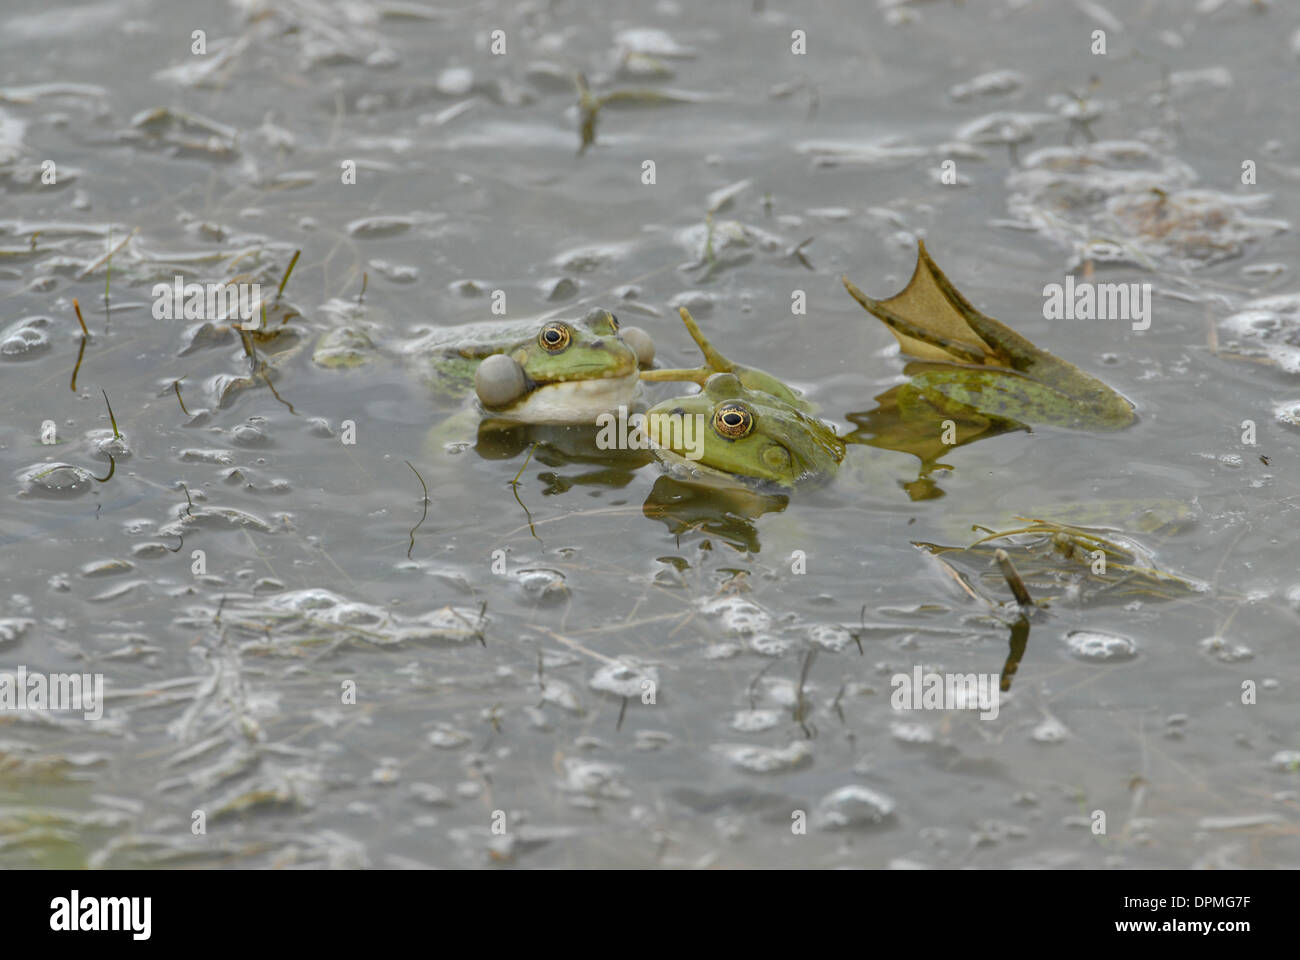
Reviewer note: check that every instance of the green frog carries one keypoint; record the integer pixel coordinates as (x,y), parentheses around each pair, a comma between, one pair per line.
(546,372)
(744,424)
(541,371)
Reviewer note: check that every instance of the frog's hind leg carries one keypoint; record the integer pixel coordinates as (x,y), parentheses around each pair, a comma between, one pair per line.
(936,392)
(714,362)
(955,349)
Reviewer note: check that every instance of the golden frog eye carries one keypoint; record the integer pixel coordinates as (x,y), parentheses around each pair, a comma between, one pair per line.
(554,337)
(733,421)
(614,320)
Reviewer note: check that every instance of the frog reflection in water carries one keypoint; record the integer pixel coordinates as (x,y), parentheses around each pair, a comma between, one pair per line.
(975,372)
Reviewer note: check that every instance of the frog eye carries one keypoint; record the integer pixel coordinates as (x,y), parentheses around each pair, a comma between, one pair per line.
(732,420)
(554,337)
(614,320)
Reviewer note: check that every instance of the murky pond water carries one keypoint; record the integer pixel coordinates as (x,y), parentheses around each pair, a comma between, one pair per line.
(598,665)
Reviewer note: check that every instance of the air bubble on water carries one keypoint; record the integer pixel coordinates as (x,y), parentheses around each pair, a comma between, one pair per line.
(13,628)
(1050,730)
(305,611)
(59,480)
(562,695)
(1288,412)
(830,636)
(770,645)
(651,42)
(454,81)
(914,733)
(227,517)
(252,433)
(446,737)
(380,226)
(587,259)
(103,444)
(556,289)
(697,302)
(106,568)
(650,740)
(1199,81)
(740,617)
(1264,271)
(754,721)
(25,338)
(541,584)
(993,83)
(624,679)
(759,759)
(468,288)
(1266,327)
(221,457)
(1285,761)
(722,651)
(395,272)
(855,807)
(594,779)
(1226,651)
(430,795)
(781,691)
(151,549)
(1094,646)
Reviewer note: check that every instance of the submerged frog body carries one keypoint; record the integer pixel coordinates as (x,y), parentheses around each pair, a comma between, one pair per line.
(1005,396)
(539,371)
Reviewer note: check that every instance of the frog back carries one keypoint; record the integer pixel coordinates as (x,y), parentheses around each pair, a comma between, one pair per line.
(449,356)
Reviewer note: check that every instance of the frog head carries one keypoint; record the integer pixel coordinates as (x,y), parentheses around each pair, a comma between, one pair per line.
(565,371)
(732,431)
